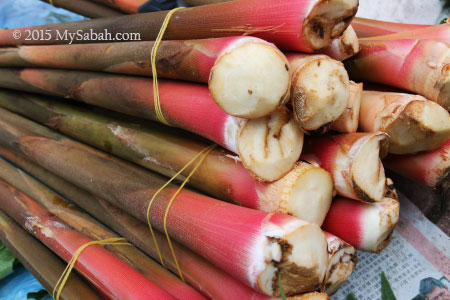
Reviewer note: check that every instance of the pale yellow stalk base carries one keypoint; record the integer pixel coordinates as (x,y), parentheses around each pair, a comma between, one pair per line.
(413,123)
(320,91)
(342,262)
(269,147)
(303,262)
(305,192)
(367,169)
(251,79)
(327,20)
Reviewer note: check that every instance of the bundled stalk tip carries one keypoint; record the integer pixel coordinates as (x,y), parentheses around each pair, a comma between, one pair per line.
(412,122)
(247,76)
(250,79)
(257,244)
(319,90)
(366,226)
(268,146)
(353,160)
(305,191)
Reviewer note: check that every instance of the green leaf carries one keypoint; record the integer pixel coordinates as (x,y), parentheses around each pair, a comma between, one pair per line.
(38,295)
(7,260)
(283,296)
(351,296)
(444,20)
(386,290)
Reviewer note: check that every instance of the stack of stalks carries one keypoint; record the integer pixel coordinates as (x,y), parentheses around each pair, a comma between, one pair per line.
(295,185)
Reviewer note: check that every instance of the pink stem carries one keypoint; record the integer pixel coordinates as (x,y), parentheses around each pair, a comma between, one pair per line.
(366,226)
(420,66)
(439,33)
(370,28)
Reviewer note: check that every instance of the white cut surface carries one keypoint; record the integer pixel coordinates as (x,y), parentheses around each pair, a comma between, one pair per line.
(367,169)
(250,81)
(311,194)
(342,267)
(309,250)
(379,221)
(269,147)
(305,192)
(327,20)
(324,85)
(424,126)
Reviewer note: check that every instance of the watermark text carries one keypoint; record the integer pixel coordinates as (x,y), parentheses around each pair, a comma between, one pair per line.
(74,36)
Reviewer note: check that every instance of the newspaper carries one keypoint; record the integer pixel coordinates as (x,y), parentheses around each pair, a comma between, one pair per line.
(416,263)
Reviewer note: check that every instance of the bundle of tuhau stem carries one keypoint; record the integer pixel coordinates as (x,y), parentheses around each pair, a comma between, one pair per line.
(420,66)
(366,226)
(305,192)
(93,229)
(269,147)
(205,277)
(348,121)
(353,159)
(247,76)
(111,276)
(319,90)
(295,25)
(253,246)
(342,262)
(85,8)
(343,47)
(412,122)
(41,261)
(431,169)
(365,28)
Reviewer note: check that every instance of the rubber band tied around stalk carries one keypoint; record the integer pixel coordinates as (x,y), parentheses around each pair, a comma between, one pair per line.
(66,273)
(201,157)
(155,47)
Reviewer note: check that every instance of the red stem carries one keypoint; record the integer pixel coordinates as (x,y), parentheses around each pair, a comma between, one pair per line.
(290,24)
(105,271)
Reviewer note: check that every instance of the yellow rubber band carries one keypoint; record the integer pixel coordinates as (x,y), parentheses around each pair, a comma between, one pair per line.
(65,275)
(201,157)
(158,110)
